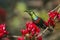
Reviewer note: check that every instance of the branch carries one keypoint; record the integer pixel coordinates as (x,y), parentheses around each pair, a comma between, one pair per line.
(56,8)
(42,32)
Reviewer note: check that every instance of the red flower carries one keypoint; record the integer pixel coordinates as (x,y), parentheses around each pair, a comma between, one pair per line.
(46,23)
(51,22)
(2,30)
(21,38)
(59,17)
(32,28)
(39,38)
(53,14)
(29,26)
(24,32)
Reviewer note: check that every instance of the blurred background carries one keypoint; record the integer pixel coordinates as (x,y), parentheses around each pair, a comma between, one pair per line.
(17,18)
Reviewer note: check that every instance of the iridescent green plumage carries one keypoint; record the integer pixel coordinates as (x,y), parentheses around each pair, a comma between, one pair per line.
(32,14)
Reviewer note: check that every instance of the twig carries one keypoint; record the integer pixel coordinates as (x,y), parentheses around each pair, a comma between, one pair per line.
(42,32)
(56,8)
